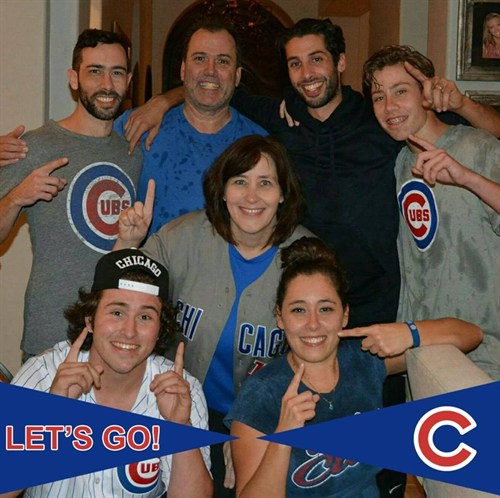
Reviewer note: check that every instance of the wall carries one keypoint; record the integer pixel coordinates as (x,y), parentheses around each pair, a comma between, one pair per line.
(33,86)
(22,38)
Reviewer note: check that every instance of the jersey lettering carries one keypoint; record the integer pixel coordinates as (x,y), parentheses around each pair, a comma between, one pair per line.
(188,318)
(319,468)
(255,341)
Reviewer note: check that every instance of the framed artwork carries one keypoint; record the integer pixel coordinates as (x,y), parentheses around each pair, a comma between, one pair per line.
(490,98)
(478,51)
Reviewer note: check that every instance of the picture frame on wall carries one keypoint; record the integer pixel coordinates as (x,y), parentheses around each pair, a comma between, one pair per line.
(491,98)
(477,56)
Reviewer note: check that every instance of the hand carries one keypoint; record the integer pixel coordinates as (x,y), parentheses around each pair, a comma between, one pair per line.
(229,477)
(147,117)
(384,340)
(74,378)
(172,391)
(134,222)
(39,185)
(12,148)
(435,165)
(441,94)
(284,115)
(296,408)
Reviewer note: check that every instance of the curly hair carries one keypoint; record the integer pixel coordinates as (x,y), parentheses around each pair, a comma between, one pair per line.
(310,256)
(87,304)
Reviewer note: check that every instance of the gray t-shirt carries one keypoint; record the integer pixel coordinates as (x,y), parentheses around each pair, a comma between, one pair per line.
(70,233)
(449,244)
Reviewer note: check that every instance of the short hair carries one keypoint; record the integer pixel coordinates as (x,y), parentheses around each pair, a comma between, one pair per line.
(310,256)
(392,55)
(487,36)
(332,35)
(91,38)
(87,303)
(212,25)
(242,156)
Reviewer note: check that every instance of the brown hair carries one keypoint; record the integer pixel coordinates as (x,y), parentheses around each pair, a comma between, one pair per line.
(242,156)
(392,55)
(87,303)
(310,256)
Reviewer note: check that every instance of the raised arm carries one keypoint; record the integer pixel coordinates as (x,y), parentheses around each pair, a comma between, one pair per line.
(261,468)
(391,340)
(436,165)
(148,117)
(133,223)
(39,185)
(444,95)
(189,476)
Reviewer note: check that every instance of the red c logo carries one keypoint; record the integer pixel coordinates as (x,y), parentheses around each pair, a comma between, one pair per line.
(423,438)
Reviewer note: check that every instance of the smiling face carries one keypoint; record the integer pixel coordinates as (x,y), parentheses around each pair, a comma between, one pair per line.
(101,80)
(398,102)
(493,27)
(313,73)
(311,315)
(125,329)
(252,199)
(209,71)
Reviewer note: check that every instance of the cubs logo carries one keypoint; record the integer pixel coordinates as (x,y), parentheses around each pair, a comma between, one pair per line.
(418,207)
(140,477)
(96,197)
(319,468)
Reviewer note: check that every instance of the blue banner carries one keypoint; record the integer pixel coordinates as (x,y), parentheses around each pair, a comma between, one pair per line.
(45,438)
(453,438)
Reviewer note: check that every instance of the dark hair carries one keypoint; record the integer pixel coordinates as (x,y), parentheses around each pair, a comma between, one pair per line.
(331,33)
(87,303)
(212,25)
(310,256)
(242,156)
(392,55)
(91,38)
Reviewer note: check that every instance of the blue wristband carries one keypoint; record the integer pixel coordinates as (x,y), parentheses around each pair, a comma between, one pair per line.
(414,334)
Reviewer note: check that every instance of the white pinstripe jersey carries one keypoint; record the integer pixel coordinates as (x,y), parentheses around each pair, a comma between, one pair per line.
(145,479)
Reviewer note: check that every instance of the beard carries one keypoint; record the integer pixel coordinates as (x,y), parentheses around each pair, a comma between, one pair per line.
(332,88)
(89,103)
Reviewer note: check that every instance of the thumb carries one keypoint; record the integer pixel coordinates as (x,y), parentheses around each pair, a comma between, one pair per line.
(17,132)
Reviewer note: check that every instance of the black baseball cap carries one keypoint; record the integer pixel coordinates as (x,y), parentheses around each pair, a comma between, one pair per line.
(112,266)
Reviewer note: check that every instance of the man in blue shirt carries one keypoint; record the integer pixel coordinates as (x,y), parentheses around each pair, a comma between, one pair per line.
(194,134)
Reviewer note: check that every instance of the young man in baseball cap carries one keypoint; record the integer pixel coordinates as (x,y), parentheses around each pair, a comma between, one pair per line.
(117,335)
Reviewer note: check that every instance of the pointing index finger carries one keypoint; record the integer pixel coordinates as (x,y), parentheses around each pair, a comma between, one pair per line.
(416,73)
(150,197)
(179,359)
(293,387)
(74,350)
(53,165)
(423,144)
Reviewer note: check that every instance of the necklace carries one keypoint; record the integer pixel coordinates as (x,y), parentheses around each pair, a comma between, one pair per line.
(316,391)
